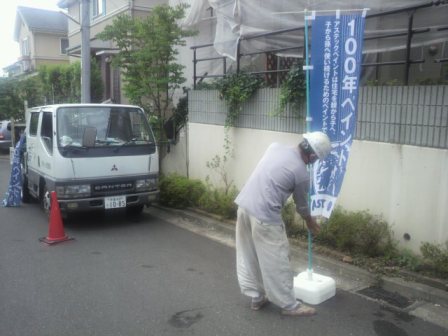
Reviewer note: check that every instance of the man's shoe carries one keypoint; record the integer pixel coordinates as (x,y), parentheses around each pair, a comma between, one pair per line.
(259,304)
(301,310)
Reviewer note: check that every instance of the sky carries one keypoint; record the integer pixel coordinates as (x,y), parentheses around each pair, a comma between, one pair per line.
(9,48)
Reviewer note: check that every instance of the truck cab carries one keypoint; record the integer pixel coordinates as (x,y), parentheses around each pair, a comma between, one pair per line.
(94,156)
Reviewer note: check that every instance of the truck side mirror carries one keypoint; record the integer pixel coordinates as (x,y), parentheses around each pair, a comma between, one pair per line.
(8,127)
(89,137)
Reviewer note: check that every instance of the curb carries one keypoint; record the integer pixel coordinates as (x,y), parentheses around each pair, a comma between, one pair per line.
(416,290)
(338,269)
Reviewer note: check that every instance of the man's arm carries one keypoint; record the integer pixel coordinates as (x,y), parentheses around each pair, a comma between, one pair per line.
(300,196)
(312,224)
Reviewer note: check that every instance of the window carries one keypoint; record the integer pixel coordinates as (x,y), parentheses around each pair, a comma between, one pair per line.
(25,47)
(46,131)
(113,126)
(64,46)
(34,121)
(98,8)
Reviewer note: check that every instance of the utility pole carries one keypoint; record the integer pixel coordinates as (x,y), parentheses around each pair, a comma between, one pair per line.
(85,51)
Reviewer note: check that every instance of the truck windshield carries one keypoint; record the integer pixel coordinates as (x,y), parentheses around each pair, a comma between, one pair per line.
(97,126)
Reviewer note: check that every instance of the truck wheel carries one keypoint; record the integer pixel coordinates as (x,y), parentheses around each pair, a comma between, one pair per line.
(25,194)
(134,210)
(45,200)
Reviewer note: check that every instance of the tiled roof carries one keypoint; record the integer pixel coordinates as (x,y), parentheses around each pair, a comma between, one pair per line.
(43,20)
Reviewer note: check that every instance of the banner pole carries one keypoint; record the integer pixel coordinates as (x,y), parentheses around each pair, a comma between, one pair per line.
(336,50)
(308,127)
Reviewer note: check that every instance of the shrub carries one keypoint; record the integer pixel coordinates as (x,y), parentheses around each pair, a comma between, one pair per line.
(375,238)
(294,226)
(436,256)
(358,232)
(180,192)
(355,232)
(340,230)
(219,202)
(371,240)
(288,215)
(409,260)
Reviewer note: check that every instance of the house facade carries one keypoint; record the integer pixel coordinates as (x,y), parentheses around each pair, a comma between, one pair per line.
(102,13)
(42,36)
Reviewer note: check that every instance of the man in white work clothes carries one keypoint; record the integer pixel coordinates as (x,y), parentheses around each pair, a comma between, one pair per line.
(262,248)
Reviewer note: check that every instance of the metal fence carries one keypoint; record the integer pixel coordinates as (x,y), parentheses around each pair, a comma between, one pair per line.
(406,62)
(411,115)
(408,115)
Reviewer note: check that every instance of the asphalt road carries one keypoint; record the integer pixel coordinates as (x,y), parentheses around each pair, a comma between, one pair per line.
(128,276)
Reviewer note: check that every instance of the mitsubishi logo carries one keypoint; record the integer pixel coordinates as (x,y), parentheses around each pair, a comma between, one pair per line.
(114,168)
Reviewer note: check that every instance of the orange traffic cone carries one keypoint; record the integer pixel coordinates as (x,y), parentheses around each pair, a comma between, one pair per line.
(56,232)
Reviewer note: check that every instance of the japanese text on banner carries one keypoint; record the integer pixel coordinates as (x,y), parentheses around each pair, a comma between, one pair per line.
(336,50)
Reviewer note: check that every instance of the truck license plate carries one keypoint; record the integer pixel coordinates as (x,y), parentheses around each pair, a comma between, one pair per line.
(115,202)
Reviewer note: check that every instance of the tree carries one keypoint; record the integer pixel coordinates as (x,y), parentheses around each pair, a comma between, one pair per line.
(32,91)
(147,57)
(62,83)
(11,105)
(52,84)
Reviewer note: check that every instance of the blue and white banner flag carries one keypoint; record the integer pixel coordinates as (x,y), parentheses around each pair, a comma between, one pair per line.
(13,195)
(336,51)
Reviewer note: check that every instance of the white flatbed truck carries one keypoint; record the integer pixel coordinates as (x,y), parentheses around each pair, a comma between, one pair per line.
(94,156)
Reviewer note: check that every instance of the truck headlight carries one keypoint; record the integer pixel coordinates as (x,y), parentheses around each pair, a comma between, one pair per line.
(146,184)
(73,191)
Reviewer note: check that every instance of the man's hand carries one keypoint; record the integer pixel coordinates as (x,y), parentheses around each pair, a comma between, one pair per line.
(312,225)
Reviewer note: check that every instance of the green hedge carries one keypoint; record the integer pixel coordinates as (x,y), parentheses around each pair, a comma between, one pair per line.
(180,192)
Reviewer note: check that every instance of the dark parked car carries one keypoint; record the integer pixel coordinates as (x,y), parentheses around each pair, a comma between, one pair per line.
(5,134)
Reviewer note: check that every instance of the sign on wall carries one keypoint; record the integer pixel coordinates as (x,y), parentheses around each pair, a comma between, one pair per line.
(336,51)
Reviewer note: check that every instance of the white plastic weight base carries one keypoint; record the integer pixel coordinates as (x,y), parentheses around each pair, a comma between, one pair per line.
(314,288)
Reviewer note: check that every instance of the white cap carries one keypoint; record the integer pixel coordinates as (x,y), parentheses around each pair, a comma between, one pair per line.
(319,142)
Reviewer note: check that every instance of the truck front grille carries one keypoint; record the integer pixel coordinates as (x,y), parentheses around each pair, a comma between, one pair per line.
(113,187)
